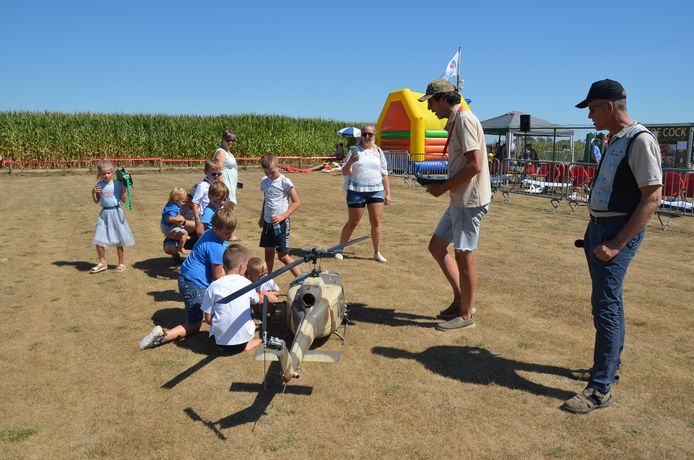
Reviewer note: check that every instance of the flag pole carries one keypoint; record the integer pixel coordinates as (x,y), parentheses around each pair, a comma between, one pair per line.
(457,76)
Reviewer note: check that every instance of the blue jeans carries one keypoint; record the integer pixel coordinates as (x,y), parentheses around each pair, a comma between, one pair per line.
(192,298)
(608,307)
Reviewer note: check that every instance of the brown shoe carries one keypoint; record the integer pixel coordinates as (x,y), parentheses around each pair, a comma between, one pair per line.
(584,375)
(587,400)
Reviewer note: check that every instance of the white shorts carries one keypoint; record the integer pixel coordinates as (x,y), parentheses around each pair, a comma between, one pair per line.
(172,230)
(461,226)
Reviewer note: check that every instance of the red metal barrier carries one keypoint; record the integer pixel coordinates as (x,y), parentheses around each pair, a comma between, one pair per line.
(153,161)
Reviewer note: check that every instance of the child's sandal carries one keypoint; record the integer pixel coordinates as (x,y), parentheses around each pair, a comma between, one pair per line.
(120,268)
(98,268)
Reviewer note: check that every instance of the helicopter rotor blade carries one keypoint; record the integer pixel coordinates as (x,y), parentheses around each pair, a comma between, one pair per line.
(261,281)
(321,253)
(348,243)
(309,255)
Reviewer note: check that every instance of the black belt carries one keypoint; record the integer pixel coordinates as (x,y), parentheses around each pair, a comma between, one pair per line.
(609,220)
(111,207)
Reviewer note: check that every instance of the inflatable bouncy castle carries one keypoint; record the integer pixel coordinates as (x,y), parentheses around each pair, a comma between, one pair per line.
(405,124)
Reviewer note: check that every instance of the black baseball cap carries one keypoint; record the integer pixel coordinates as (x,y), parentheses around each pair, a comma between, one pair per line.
(603,89)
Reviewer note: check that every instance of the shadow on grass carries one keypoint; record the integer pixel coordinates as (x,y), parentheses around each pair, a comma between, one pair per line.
(169,295)
(201,344)
(480,366)
(78,264)
(388,316)
(159,268)
(258,407)
(169,318)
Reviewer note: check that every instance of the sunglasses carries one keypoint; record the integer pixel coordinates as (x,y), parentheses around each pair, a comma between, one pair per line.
(367,134)
(215,174)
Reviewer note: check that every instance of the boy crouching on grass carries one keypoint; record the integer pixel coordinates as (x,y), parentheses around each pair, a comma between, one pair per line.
(173,223)
(231,323)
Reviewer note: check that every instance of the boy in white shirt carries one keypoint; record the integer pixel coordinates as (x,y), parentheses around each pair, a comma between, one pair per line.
(231,323)
(256,269)
(213,173)
(281,200)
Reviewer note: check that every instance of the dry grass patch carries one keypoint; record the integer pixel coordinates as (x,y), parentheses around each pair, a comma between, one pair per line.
(75,385)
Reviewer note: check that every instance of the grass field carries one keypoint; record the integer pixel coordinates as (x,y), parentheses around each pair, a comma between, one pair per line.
(74,384)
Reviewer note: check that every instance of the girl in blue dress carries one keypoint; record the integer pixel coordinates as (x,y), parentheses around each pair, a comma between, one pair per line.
(111,227)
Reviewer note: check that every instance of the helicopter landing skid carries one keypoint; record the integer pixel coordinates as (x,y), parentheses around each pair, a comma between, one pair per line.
(346,322)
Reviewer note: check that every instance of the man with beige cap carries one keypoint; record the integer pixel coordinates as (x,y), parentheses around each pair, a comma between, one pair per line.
(470,191)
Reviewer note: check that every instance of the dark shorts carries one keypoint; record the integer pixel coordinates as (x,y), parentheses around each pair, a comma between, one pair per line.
(230,350)
(192,299)
(361,199)
(280,242)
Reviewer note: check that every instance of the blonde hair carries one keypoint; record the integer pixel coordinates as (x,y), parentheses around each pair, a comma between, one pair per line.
(213,165)
(224,219)
(178,193)
(373,128)
(268,161)
(255,265)
(234,256)
(104,164)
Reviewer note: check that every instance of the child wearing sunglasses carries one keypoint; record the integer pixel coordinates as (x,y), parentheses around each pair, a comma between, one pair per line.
(213,173)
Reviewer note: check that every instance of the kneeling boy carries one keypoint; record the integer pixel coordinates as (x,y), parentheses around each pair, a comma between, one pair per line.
(231,323)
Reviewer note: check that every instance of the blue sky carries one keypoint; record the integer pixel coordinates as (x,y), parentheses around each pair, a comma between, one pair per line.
(317,59)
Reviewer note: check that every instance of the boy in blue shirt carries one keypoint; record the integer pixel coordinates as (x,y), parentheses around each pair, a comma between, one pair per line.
(218,195)
(203,265)
(173,224)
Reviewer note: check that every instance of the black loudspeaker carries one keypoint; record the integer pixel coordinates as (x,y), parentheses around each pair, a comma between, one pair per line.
(525,122)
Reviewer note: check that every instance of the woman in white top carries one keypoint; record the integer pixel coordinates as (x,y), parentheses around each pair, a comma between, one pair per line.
(367,185)
(230,172)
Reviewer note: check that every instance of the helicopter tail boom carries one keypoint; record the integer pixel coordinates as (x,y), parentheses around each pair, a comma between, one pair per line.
(316,356)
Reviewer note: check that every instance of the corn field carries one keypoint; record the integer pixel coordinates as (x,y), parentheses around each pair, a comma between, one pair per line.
(59,136)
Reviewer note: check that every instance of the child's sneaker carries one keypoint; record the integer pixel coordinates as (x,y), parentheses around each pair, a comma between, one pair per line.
(378,257)
(152,339)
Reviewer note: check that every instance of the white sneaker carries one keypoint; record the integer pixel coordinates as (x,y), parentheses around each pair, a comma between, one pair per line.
(151,340)
(378,257)
(338,256)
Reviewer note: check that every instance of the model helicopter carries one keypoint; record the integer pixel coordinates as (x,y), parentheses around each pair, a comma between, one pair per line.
(315,309)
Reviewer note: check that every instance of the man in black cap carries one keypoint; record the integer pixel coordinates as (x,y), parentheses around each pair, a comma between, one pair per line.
(625,195)
(470,190)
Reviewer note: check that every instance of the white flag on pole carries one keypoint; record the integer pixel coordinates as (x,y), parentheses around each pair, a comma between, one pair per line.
(452,67)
